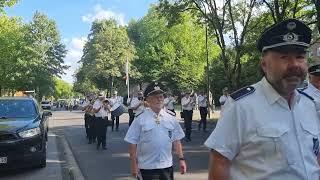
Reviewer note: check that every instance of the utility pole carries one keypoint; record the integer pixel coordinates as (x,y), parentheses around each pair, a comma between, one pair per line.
(208,80)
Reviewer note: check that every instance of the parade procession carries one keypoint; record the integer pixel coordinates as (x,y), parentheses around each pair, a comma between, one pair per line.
(160,90)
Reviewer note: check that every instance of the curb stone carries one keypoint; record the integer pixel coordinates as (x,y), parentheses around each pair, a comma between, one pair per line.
(73,169)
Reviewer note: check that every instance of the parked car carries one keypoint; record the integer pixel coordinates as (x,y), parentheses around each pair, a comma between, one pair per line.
(46,105)
(23,133)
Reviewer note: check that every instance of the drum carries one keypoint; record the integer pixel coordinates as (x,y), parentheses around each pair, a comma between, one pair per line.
(118,112)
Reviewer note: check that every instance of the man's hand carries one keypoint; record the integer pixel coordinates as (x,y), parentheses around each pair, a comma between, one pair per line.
(134,168)
(183,166)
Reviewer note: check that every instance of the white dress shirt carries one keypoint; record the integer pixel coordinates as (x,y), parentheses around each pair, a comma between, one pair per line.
(115,102)
(97,104)
(313,92)
(266,139)
(187,103)
(169,103)
(202,101)
(154,140)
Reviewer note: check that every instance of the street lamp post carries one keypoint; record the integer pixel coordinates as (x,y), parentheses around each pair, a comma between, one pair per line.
(208,80)
(202,5)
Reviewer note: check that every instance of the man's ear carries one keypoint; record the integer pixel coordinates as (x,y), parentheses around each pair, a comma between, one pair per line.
(263,64)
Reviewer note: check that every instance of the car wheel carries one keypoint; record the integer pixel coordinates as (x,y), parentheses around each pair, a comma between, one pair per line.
(43,159)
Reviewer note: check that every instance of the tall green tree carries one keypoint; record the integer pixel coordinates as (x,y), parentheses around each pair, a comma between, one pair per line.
(5,3)
(228,21)
(105,54)
(11,38)
(62,90)
(174,55)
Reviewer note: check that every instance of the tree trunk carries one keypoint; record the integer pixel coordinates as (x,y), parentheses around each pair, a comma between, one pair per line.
(111,85)
(317,4)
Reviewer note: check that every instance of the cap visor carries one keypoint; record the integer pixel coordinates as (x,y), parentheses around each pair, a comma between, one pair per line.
(289,48)
(155,92)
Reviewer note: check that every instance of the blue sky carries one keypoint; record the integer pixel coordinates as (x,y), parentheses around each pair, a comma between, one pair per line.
(74,17)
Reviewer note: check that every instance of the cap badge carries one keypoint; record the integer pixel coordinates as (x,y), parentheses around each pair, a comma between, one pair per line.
(291,26)
(290,37)
(156,88)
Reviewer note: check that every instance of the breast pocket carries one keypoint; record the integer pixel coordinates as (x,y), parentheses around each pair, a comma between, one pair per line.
(274,144)
(147,133)
(311,137)
(168,131)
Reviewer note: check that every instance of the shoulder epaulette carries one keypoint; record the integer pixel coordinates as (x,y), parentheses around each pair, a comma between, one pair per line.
(307,95)
(139,114)
(171,113)
(242,92)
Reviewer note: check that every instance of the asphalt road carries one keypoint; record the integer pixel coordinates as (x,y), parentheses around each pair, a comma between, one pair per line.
(52,171)
(113,163)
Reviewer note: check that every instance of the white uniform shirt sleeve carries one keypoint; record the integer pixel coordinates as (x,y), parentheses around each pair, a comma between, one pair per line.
(227,136)
(184,101)
(96,105)
(133,133)
(178,133)
(86,103)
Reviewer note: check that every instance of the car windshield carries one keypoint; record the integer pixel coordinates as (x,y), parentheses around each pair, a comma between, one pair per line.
(45,102)
(17,109)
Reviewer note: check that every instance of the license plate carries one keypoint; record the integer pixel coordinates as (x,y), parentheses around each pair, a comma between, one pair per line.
(3,160)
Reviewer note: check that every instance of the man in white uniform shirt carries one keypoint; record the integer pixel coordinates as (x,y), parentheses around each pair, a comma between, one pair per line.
(203,107)
(88,118)
(138,104)
(223,98)
(151,137)
(100,126)
(169,102)
(188,103)
(115,102)
(270,130)
(131,99)
(313,88)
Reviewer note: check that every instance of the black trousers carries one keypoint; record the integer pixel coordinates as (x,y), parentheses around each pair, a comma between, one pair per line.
(131,116)
(203,115)
(86,123)
(101,130)
(91,122)
(117,122)
(188,122)
(157,174)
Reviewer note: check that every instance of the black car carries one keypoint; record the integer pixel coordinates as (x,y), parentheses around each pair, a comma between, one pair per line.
(23,133)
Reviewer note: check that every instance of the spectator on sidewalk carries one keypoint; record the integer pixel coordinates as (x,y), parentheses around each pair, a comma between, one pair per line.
(151,137)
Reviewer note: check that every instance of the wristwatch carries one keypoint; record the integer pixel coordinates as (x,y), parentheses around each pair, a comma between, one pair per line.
(181,159)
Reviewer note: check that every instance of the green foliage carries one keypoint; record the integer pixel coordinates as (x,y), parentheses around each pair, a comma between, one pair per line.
(171,54)
(62,89)
(5,3)
(31,54)
(105,54)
